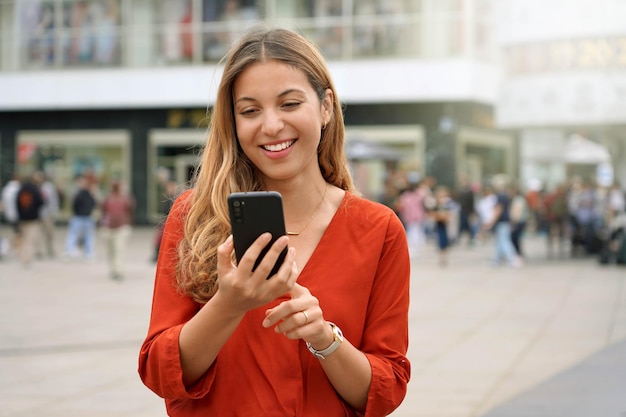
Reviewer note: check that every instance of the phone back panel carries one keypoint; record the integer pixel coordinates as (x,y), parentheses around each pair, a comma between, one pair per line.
(252,214)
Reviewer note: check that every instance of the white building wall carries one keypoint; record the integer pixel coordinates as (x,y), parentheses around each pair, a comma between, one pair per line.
(195,86)
(564,72)
(576,73)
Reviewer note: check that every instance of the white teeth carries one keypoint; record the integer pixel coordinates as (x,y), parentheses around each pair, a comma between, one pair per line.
(278,147)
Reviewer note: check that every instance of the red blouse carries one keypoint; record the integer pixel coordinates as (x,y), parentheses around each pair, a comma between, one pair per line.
(359,271)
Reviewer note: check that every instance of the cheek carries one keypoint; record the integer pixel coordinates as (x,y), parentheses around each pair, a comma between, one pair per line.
(243,130)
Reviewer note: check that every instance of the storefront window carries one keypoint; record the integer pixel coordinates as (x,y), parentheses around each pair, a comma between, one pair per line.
(224,21)
(91,32)
(65,155)
(173,157)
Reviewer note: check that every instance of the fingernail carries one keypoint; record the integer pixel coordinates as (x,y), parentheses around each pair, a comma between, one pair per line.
(266,323)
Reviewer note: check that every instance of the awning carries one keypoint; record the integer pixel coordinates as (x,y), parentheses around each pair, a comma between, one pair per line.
(580,150)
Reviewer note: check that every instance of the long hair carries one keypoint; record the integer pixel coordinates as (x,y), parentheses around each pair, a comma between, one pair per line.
(224,168)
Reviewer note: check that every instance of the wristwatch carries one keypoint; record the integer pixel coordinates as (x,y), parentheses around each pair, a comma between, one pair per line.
(337,339)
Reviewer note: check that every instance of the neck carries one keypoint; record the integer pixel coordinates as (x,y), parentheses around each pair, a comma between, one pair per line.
(300,201)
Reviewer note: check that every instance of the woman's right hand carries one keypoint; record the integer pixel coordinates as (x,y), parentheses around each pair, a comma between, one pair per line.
(242,289)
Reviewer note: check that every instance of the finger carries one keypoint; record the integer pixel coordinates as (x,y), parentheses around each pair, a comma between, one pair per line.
(296,324)
(288,271)
(286,313)
(224,252)
(271,256)
(299,291)
(252,253)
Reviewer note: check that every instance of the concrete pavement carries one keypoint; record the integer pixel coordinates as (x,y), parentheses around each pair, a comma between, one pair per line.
(546,340)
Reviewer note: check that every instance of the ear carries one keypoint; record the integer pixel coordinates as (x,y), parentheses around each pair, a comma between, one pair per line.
(327,106)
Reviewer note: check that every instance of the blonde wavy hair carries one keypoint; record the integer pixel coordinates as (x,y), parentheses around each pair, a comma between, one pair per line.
(225,169)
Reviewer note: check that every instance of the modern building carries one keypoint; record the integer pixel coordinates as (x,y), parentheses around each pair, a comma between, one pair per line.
(564,88)
(122,88)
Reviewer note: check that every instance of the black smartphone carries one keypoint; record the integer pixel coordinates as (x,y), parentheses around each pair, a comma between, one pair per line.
(252,214)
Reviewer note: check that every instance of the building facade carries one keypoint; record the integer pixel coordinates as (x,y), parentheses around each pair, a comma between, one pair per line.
(123,88)
(564,88)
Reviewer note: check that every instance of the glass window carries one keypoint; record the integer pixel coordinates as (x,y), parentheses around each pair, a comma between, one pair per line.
(294,8)
(91,32)
(387,7)
(37,33)
(224,21)
(483,29)
(175,30)
(386,28)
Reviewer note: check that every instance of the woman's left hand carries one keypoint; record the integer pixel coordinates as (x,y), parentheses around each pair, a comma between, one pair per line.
(300,318)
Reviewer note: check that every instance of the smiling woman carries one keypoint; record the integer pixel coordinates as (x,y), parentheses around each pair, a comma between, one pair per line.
(335,332)
(280,121)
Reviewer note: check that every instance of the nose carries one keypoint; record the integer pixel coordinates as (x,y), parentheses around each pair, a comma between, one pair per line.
(272,123)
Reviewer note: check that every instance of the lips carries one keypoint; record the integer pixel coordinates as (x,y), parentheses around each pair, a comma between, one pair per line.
(277,147)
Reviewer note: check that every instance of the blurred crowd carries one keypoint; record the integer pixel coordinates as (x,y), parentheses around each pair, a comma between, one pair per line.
(576,218)
(31,206)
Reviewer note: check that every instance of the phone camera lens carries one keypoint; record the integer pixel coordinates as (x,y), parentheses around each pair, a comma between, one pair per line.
(236,204)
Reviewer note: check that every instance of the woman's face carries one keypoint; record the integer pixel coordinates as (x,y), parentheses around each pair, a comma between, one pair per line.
(278,118)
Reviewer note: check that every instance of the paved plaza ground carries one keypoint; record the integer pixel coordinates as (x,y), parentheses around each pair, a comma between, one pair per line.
(545,340)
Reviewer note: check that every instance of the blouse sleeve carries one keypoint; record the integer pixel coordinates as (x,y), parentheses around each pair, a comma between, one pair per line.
(159,359)
(385,340)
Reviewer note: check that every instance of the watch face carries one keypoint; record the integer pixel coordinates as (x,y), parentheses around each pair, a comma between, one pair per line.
(337,339)
(338,334)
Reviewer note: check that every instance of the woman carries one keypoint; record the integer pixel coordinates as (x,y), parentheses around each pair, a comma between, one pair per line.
(223,339)
(118,210)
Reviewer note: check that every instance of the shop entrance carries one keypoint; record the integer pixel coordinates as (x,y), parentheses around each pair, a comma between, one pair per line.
(172,156)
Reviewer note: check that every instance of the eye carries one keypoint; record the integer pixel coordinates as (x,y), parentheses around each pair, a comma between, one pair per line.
(249,111)
(291,104)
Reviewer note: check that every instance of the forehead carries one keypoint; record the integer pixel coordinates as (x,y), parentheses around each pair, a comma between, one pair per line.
(268,76)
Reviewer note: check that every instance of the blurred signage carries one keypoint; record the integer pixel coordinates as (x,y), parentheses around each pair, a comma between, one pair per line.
(566,55)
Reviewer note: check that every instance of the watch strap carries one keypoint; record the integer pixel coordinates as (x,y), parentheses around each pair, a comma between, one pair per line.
(337,340)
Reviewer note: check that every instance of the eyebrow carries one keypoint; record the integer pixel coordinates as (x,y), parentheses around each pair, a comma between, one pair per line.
(284,93)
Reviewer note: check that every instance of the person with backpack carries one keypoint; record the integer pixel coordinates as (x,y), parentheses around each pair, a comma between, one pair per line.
(29,202)
(82,227)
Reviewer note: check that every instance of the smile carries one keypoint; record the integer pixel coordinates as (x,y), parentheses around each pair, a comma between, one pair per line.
(279,146)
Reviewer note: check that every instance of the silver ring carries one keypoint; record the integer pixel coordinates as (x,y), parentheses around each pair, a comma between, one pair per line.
(306,317)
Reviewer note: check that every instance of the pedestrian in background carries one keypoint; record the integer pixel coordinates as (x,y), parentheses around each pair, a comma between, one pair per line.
(29,203)
(82,227)
(219,328)
(466,200)
(118,210)
(518,216)
(485,209)
(49,213)
(9,206)
(558,218)
(442,214)
(501,226)
(410,208)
